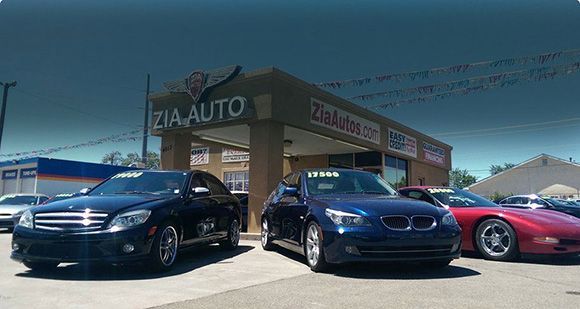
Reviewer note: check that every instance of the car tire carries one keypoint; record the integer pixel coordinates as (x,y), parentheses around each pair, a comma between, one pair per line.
(496,240)
(437,264)
(40,266)
(233,238)
(265,237)
(165,247)
(314,249)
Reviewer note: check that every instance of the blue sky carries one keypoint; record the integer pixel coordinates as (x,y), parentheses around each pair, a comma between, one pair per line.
(81,65)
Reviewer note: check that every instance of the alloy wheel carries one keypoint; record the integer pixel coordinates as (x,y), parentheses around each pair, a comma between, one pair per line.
(168,246)
(312,245)
(495,240)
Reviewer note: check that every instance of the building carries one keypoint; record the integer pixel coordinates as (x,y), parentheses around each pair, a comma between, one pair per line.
(52,176)
(543,174)
(251,129)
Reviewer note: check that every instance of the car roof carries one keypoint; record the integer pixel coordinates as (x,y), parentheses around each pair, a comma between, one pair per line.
(427,187)
(26,194)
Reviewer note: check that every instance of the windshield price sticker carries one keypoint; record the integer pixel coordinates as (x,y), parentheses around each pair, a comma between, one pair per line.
(439,190)
(128,175)
(323,174)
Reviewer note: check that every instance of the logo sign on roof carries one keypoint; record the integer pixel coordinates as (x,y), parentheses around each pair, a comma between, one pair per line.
(199,83)
(402,143)
(433,154)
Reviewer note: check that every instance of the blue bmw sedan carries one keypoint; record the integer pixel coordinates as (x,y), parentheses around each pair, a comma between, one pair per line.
(337,216)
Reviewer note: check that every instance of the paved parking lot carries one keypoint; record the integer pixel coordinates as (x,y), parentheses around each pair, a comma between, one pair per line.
(250,277)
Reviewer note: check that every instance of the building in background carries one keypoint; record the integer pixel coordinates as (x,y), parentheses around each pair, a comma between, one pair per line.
(52,176)
(251,129)
(543,174)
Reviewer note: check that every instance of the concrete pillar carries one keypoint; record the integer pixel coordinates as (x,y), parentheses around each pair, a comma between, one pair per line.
(266,168)
(176,151)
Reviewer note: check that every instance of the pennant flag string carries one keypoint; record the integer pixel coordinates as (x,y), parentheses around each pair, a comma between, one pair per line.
(540,59)
(458,84)
(556,72)
(123,137)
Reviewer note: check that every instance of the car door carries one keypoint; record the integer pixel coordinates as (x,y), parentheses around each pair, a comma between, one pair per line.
(194,215)
(221,207)
(293,211)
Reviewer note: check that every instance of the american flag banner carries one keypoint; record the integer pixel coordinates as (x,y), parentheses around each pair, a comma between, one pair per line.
(199,156)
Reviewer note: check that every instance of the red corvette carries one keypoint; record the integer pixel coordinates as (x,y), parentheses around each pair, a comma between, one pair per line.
(503,234)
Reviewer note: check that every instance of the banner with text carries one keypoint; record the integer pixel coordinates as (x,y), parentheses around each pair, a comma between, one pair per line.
(433,154)
(402,143)
(336,119)
(232,155)
(199,156)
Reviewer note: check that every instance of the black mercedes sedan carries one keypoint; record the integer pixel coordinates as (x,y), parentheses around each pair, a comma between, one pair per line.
(132,216)
(336,216)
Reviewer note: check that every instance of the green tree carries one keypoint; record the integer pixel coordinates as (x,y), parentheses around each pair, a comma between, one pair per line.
(113,158)
(131,158)
(496,169)
(461,178)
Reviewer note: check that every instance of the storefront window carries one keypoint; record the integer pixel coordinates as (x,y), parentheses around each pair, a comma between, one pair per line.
(237,181)
(395,172)
(371,158)
(341,160)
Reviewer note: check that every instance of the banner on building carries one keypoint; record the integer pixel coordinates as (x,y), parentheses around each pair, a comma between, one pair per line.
(433,154)
(336,119)
(12,174)
(199,156)
(232,155)
(28,172)
(402,143)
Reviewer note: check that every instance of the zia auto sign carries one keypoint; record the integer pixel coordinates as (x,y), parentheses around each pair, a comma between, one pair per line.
(433,153)
(402,143)
(336,119)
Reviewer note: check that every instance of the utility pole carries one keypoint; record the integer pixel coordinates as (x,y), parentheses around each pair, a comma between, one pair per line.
(4,101)
(145,125)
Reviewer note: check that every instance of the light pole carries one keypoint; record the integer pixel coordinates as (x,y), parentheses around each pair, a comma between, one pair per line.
(4,101)
(145,125)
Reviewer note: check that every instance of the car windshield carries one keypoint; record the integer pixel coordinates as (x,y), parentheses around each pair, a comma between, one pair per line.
(18,200)
(556,202)
(459,198)
(346,182)
(136,182)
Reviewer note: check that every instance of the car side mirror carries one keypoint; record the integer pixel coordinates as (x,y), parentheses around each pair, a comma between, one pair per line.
(199,192)
(84,191)
(290,191)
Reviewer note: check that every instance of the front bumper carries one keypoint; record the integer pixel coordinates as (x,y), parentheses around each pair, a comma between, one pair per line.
(106,246)
(7,222)
(370,244)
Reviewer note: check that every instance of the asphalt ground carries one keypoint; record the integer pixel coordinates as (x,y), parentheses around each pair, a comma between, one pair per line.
(252,278)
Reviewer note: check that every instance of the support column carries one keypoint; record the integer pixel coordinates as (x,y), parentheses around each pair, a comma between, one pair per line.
(176,151)
(266,166)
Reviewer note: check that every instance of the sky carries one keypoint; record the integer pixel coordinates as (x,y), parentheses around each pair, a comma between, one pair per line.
(81,65)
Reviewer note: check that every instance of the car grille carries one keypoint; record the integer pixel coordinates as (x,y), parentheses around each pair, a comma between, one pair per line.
(398,223)
(5,216)
(69,221)
(423,223)
(405,251)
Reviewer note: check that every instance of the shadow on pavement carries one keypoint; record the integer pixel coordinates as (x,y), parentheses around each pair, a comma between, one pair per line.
(402,271)
(554,260)
(187,261)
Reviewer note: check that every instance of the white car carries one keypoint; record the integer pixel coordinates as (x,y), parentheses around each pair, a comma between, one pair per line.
(13,204)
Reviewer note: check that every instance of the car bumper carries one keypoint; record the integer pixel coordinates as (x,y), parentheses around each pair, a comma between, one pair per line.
(409,247)
(106,246)
(7,223)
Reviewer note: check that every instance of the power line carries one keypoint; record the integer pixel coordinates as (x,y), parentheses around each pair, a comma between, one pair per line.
(511,132)
(532,124)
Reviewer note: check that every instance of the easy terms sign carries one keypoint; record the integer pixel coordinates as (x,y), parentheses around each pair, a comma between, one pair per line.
(336,119)
(402,143)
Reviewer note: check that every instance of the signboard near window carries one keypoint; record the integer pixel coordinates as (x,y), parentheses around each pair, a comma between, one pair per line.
(402,143)
(231,155)
(433,154)
(199,156)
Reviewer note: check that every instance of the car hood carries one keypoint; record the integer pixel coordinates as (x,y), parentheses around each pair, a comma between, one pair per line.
(13,209)
(102,203)
(377,205)
(541,216)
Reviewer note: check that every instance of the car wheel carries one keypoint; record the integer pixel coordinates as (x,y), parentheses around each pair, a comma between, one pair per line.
(233,239)
(265,236)
(40,266)
(164,250)
(437,264)
(313,249)
(496,240)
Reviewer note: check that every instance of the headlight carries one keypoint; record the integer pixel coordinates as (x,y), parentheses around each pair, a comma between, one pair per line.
(448,219)
(345,218)
(26,220)
(131,218)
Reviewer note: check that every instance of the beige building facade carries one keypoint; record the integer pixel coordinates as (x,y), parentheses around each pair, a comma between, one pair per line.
(256,127)
(543,174)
